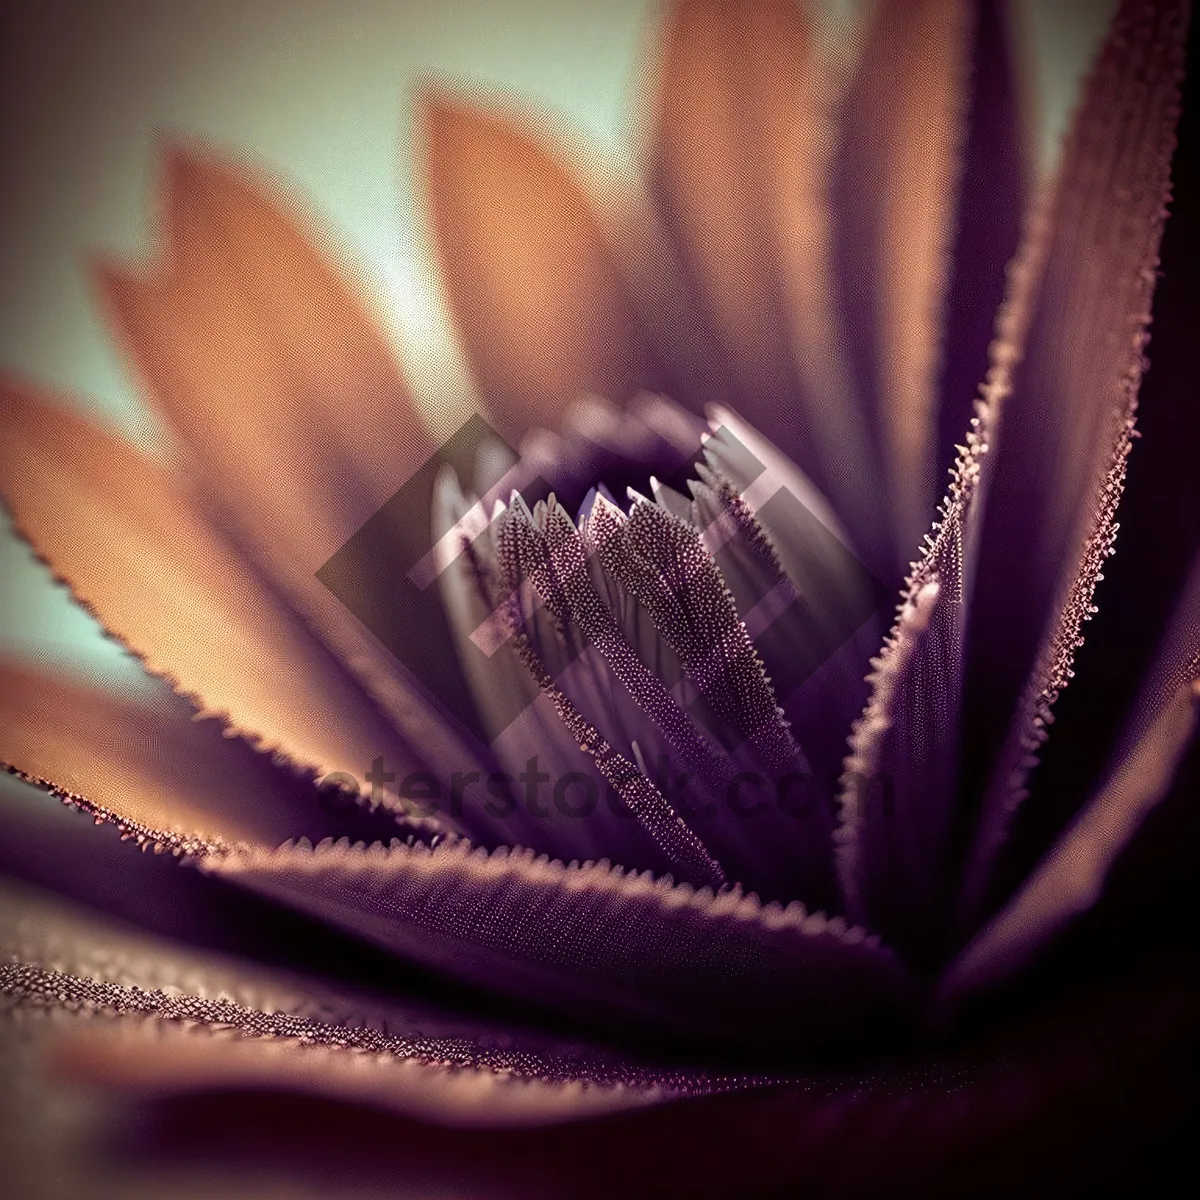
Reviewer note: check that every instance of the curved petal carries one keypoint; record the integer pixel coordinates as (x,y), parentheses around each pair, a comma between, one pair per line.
(897,794)
(1061,426)
(139,1012)
(818,650)
(529,712)
(262,354)
(296,427)
(662,560)
(136,551)
(166,777)
(1138,777)
(54,849)
(1070,879)
(896,864)
(738,166)
(1077,1097)
(536,289)
(1160,526)
(894,189)
(591,939)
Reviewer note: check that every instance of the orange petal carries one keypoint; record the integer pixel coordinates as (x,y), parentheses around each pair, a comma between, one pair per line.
(136,552)
(293,415)
(740,156)
(535,287)
(249,271)
(148,762)
(894,191)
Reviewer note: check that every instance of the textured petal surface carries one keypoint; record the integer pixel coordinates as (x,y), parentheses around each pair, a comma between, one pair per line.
(139,1012)
(294,422)
(897,793)
(663,561)
(550,733)
(592,939)
(136,551)
(153,767)
(1143,766)
(1160,527)
(60,850)
(1074,1099)
(1062,435)
(895,836)
(818,648)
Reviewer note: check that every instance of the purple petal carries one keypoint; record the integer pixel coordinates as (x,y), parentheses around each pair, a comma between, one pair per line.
(592,940)
(1139,776)
(1063,396)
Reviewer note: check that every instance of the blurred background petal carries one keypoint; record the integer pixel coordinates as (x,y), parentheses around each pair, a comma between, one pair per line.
(321,95)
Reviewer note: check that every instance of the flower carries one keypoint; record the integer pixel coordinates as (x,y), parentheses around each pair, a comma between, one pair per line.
(623,837)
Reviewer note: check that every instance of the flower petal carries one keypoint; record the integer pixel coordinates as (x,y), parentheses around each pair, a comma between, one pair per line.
(537,292)
(55,849)
(546,549)
(1087,1096)
(898,790)
(738,167)
(1071,877)
(661,560)
(1097,1071)
(139,1012)
(896,864)
(894,190)
(530,713)
(748,834)
(296,427)
(163,775)
(1062,407)
(1160,533)
(818,649)
(993,192)
(137,552)
(592,940)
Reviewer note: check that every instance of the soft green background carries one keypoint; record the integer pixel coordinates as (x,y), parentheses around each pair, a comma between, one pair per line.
(320,93)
